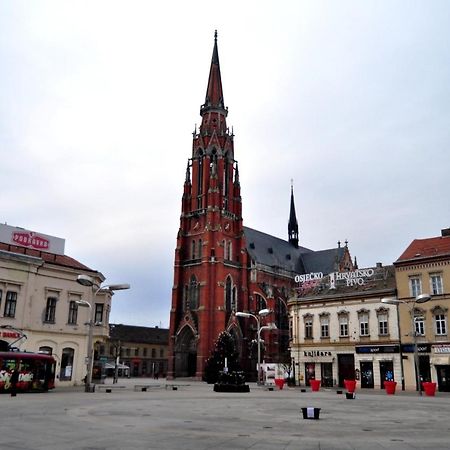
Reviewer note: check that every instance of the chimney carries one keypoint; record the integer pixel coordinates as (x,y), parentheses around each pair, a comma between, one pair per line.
(445,232)
(379,265)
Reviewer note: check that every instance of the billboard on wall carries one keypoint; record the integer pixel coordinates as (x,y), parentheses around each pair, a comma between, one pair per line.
(31,239)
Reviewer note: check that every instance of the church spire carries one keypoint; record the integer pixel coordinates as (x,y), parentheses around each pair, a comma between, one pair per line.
(293,225)
(214,92)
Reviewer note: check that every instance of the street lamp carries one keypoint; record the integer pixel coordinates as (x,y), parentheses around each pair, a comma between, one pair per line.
(257,317)
(86,280)
(422,298)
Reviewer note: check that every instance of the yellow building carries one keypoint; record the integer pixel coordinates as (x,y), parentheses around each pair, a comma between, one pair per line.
(424,268)
(40,299)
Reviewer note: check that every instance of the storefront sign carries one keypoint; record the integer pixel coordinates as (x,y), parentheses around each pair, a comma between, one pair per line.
(308,277)
(10,334)
(441,348)
(31,239)
(421,348)
(314,353)
(378,349)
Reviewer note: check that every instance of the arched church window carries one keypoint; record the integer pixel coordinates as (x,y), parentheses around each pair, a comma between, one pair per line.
(193,249)
(234,299)
(228,294)
(199,253)
(260,302)
(193,293)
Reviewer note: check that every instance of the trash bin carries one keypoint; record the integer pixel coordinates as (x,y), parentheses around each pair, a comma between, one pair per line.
(390,387)
(350,385)
(311,413)
(429,388)
(315,385)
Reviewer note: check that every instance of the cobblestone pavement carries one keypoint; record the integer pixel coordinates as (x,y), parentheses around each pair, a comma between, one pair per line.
(193,416)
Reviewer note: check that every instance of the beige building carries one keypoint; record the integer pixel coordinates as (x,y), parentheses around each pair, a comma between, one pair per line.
(424,268)
(341,330)
(38,300)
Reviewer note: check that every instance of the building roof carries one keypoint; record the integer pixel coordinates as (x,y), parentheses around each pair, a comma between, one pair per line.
(51,258)
(143,335)
(275,252)
(426,248)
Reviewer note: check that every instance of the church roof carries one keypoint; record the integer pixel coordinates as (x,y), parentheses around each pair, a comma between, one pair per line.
(278,253)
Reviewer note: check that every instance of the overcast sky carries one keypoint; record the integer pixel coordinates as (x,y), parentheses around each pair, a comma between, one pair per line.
(98,100)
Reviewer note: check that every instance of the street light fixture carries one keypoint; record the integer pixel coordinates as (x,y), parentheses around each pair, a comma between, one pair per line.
(88,281)
(422,298)
(261,313)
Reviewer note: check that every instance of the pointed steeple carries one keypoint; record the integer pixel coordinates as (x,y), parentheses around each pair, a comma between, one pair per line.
(214,93)
(293,225)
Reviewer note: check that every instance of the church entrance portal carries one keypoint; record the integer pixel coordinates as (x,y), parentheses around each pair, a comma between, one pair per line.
(186,354)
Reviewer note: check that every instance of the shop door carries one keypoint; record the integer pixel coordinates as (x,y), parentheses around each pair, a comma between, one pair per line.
(346,368)
(424,368)
(310,372)
(443,376)
(386,372)
(366,374)
(326,372)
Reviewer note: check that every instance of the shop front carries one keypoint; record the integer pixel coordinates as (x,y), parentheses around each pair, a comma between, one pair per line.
(440,360)
(377,364)
(424,354)
(318,365)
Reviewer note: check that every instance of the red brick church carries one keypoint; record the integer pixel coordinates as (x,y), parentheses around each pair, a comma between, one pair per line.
(221,266)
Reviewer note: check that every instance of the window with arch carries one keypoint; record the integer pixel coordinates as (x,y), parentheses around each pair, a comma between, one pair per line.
(193,249)
(193,296)
(343,324)
(260,302)
(324,325)
(440,320)
(383,326)
(308,326)
(199,252)
(419,321)
(46,349)
(200,180)
(228,294)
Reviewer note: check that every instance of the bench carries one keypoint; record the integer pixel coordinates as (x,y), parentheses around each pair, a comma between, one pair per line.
(144,387)
(108,388)
(175,386)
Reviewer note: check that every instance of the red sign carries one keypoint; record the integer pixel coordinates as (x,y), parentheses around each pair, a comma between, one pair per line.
(29,239)
(10,334)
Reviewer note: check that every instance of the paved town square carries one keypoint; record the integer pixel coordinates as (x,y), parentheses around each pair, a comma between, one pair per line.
(190,415)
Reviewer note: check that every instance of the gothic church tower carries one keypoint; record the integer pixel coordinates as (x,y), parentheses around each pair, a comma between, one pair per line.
(210,258)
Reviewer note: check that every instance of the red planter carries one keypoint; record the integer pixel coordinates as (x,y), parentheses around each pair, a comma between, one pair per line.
(279,383)
(315,385)
(429,388)
(350,385)
(390,387)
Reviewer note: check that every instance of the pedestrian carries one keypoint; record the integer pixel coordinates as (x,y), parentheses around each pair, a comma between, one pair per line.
(14,379)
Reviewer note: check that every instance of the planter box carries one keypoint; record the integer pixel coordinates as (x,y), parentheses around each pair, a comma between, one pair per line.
(311,413)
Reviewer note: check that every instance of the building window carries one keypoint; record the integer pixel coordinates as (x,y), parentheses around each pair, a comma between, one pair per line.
(10,304)
(343,326)
(144,351)
(308,327)
(419,322)
(127,351)
(229,294)
(364,323)
(161,353)
(50,310)
(136,351)
(383,329)
(436,284)
(193,249)
(415,285)
(325,326)
(260,303)
(441,324)
(46,349)
(73,313)
(193,294)
(153,353)
(98,313)
(200,244)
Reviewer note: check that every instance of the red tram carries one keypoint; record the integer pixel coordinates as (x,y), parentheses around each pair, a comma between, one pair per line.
(36,371)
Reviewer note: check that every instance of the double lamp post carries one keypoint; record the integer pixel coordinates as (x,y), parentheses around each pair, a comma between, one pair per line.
(88,281)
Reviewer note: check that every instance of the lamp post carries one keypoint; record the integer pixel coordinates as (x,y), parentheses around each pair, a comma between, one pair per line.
(257,317)
(422,298)
(86,280)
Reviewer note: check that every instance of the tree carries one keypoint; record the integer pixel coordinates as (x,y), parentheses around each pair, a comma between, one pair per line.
(224,347)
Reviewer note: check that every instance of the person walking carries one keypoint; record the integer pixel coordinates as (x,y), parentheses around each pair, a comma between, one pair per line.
(14,380)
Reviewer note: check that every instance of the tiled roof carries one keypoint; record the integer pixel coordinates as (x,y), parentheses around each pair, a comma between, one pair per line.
(51,258)
(142,335)
(325,261)
(426,248)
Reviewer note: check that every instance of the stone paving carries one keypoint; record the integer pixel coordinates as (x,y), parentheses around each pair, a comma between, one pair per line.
(195,417)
